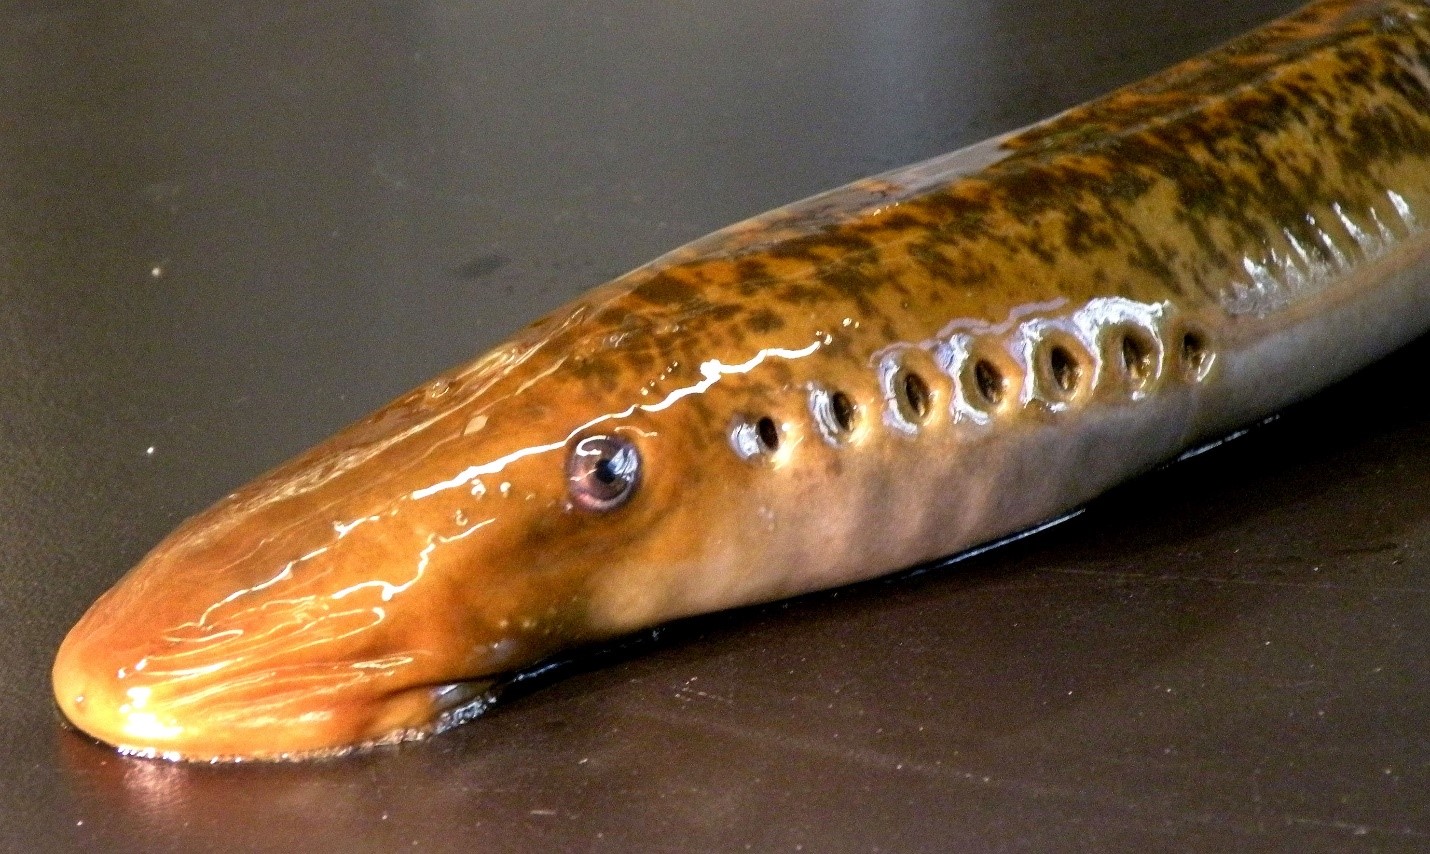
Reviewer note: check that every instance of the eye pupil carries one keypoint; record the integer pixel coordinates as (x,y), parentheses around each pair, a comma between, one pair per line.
(605,472)
(602,472)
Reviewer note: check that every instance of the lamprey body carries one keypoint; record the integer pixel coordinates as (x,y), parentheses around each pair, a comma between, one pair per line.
(895,371)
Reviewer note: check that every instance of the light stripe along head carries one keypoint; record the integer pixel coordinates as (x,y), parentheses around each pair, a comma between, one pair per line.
(889,373)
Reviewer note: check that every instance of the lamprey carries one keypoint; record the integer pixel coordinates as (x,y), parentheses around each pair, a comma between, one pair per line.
(905,368)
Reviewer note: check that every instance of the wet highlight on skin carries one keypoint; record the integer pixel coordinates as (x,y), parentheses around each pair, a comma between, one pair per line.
(906,368)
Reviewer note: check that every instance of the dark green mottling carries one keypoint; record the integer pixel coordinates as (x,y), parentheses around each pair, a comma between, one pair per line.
(1156,191)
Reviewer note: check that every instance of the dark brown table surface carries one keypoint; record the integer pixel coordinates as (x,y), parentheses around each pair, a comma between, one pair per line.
(229,229)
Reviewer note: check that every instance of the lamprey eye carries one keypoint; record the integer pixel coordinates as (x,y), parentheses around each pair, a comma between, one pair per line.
(602,472)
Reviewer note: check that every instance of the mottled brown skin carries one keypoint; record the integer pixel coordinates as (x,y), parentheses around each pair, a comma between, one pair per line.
(1282,144)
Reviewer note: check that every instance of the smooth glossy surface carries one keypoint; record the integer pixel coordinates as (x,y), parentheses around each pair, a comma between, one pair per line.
(368,591)
(1310,537)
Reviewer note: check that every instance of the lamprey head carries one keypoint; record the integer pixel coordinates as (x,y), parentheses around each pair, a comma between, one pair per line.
(546,495)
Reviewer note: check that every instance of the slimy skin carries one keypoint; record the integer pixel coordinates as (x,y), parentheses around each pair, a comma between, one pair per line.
(895,371)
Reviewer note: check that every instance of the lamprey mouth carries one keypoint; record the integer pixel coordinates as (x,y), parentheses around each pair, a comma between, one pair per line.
(199,701)
(135,730)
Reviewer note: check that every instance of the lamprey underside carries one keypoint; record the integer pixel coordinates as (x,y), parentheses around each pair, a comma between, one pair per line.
(881,375)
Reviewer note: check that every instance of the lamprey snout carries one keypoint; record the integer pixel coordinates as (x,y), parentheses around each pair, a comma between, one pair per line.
(368,590)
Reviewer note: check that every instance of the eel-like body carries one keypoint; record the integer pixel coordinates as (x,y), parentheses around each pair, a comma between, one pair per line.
(898,370)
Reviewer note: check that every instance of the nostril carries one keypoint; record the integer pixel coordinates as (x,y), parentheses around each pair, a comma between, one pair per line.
(438,388)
